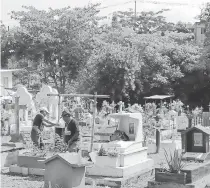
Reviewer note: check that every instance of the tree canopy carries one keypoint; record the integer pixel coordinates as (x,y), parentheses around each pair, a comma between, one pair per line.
(134,57)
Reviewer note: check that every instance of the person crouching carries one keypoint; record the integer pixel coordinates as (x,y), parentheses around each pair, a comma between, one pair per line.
(72,134)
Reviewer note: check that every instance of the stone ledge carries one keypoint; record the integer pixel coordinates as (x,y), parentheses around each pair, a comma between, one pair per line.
(116,182)
(120,172)
(31,171)
(89,180)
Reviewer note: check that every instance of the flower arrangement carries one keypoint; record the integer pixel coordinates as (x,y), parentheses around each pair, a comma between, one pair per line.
(110,152)
(177,105)
(135,108)
(60,145)
(5,115)
(102,152)
(51,149)
(113,153)
(197,112)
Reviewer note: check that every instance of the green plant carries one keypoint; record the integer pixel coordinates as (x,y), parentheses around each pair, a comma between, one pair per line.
(174,161)
(56,145)
(102,152)
(60,145)
(113,153)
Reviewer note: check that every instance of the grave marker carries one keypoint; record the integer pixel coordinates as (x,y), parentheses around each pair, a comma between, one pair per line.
(182,122)
(65,170)
(195,143)
(26,102)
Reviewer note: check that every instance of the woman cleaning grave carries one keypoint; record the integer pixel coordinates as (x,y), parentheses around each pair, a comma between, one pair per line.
(38,125)
(71,136)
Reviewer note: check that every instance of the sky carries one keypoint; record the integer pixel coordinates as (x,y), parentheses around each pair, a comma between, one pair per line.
(177,13)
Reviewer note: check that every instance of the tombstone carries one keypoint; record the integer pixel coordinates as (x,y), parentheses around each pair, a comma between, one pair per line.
(195,143)
(65,170)
(131,154)
(182,123)
(25,99)
(51,102)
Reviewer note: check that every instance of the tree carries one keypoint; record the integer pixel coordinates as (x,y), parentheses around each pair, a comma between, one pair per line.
(145,22)
(205,13)
(58,41)
(181,27)
(114,63)
(7,44)
(129,66)
(200,79)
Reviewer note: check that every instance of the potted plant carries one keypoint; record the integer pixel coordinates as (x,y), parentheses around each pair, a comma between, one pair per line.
(108,158)
(173,173)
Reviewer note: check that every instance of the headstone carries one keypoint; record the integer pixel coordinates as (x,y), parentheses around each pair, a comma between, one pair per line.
(25,99)
(51,102)
(195,143)
(182,122)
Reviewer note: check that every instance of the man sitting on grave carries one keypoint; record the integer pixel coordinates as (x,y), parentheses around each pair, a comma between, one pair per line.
(38,126)
(71,136)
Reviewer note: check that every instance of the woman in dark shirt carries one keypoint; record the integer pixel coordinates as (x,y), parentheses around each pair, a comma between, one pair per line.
(71,132)
(38,126)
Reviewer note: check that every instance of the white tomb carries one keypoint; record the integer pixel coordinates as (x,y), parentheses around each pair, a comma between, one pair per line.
(132,157)
(25,98)
(51,102)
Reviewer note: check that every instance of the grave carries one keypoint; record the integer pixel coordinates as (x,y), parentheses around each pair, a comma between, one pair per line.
(131,159)
(195,143)
(51,102)
(65,170)
(196,171)
(182,123)
(25,99)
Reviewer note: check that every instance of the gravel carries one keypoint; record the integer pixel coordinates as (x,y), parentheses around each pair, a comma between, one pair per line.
(9,180)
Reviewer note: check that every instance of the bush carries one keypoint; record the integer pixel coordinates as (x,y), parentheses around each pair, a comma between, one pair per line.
(102,152)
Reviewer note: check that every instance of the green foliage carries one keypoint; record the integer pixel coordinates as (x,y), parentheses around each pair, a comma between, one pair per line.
(174,161)
(60,145)
(102,152)
(205,13)
(144,23)
(197,112)
(180,27)
(56,145)
(58,42)
(67,48)
(113,153)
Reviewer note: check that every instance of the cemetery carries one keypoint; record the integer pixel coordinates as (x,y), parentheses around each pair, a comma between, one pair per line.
(117,147)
